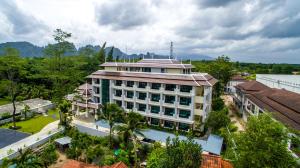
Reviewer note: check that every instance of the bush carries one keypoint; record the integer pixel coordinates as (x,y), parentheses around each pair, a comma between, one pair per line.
(217,104)
(217,120)
(5,115)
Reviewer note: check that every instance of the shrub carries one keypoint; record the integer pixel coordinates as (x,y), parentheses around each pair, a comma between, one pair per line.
(5,115)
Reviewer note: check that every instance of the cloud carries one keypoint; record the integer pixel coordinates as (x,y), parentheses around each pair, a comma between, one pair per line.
(21,22)
(214,3)
(123,14)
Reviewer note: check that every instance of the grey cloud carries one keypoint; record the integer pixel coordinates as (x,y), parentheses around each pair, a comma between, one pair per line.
(214,3)
(123,14)
(22,22)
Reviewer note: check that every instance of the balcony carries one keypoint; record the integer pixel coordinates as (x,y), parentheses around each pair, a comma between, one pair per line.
(118,93)
(129,83)
(142,85)
(185,101)
(118,83)
(142,96)
(170,87)
(142,107)
(129,94)
(186,89)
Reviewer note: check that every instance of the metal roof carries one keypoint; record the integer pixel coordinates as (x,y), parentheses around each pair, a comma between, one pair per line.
(64,140)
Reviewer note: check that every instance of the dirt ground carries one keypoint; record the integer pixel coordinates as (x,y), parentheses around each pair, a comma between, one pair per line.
(62,158)
(238,121)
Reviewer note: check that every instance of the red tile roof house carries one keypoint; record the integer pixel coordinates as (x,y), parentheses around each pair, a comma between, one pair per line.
(77,164)
(254,98)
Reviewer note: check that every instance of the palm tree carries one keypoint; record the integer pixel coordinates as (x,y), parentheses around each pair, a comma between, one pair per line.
(129,130)
(111,113)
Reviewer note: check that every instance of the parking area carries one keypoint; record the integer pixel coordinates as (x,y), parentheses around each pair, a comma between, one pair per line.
(8,136)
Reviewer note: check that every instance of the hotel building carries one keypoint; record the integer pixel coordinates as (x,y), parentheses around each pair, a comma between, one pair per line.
(165,91)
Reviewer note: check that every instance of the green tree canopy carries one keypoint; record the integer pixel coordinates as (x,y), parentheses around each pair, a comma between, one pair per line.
(110,57)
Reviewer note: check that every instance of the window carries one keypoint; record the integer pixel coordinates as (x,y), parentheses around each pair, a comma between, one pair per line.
(129,83)
(185,101)
(154,121)
(155,97)
(97,99)
(199,91)
(142,107)
(97,81)
(142,84)
(183,126)
(146,69)
(154,109)
(155,86)
(118,82)
(118,93)
(170,87)
(129,105)
(119,103)
(169,124)
(185,88)
(184,113)
(97,90)
(169,111)
(169,99)
(129,94)
(163,70)
(142,96)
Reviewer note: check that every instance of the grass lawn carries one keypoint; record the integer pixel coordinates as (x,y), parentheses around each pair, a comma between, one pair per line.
(35,124)
(4,101)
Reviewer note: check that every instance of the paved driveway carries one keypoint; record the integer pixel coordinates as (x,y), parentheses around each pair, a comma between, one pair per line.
(8,136)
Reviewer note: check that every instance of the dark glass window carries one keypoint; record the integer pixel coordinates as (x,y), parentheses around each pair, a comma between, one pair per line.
(97,81)
(169,99)
(129,105)
(170,87)
(118,83)
(129,94)
(146,69)
(119,103)
(163,70)
(155,97)
(142,96)
(154,121)
(169,124)
(142,107)
(129,83)
(185,101)
(185,88)
(183,126)
(155,86)
(169,111)
(97,90)
(142,84)
(118,93)
(184,113)
(155,109)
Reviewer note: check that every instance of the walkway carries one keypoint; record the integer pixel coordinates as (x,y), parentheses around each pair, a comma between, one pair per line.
(47,131)
(235,119)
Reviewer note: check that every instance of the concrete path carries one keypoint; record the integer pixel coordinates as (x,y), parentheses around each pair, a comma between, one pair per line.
(228,100)
(50,129)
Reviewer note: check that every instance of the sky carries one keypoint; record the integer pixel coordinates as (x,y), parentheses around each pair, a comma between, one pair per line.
(265,31)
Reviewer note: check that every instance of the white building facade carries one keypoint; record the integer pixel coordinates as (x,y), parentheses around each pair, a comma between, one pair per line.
(164,91)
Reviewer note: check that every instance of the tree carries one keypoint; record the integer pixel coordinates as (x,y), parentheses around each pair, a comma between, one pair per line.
(217,104)
(263,144)
(129,130)
(48,155)
(176,154)
(27,159)
(112,113)
(12,72)
(26,111)
(217,120)
(110,57)
(65,114)
(101,55)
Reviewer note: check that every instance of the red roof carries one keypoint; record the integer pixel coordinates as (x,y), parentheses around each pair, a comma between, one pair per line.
(251,86)
(213,161)
(77,164)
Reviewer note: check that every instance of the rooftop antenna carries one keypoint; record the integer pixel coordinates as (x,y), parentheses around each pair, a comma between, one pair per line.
(171,50)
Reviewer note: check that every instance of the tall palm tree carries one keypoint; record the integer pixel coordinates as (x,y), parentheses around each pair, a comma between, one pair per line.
(111,113)
(130,130)
(64,110)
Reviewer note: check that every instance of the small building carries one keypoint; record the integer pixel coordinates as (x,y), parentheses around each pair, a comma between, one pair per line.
(235,80)
(253,98)
(63,143)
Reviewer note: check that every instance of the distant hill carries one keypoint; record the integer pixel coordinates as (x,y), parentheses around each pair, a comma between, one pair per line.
(26,49)
(29,50)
